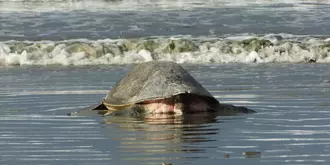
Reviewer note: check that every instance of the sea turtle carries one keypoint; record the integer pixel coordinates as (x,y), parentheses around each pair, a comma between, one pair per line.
(161,87)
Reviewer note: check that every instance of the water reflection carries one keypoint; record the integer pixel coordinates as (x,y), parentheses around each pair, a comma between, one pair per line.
(186,137)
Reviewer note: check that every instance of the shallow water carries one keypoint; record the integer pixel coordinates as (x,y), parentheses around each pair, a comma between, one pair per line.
(291,126)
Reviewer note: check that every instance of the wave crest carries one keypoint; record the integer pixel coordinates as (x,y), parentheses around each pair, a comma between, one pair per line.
(180,50)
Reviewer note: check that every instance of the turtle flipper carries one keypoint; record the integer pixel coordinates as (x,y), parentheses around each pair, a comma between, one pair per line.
(89,111)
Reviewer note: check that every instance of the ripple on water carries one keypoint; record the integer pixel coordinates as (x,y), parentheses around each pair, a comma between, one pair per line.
(289,128)
(37,139)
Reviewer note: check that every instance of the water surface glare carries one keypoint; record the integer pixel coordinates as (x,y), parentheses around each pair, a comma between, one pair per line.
(291,126)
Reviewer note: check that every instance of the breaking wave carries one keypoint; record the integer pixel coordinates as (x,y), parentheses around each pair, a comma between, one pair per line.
(180,49)
(96,5)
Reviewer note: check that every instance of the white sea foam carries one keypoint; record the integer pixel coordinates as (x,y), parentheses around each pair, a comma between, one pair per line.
(92,5)
(182,49)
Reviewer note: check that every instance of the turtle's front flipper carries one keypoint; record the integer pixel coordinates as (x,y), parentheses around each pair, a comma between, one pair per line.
(90,111)
(100,107)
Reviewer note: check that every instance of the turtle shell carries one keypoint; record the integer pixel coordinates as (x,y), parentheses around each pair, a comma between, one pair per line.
(151,81)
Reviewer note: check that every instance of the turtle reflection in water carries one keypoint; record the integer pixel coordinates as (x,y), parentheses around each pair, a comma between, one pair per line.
(154,89)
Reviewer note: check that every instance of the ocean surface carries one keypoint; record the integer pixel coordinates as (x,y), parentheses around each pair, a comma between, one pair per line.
(86,32)
(59,56)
